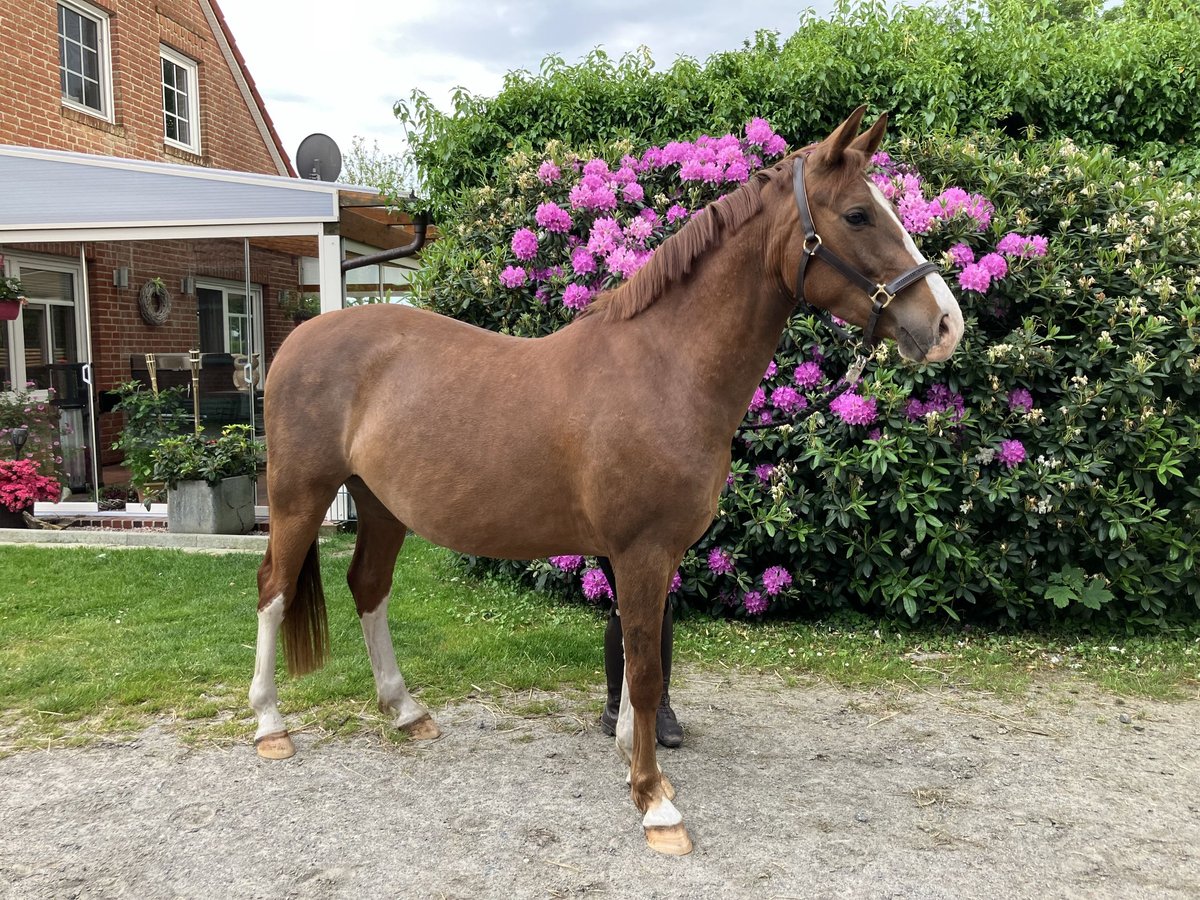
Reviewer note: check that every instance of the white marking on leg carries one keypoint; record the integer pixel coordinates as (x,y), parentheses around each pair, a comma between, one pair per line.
(660,814)
(390,688)
(625,719)
(946,300)
(264,699)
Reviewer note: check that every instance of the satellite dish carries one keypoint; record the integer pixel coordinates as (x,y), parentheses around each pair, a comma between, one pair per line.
(319,158)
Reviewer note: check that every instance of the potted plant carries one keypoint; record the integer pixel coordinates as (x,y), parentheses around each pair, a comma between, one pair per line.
(299,306)
(21,485)
(210,481)
(150,418)
(12,297)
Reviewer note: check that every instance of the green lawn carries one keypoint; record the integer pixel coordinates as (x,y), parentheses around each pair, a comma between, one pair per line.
(96,642)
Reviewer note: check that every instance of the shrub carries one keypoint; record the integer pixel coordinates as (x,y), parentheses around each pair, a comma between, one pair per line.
(150,418)
(1049,469)
(1125,76)
(196,457)
(38,414)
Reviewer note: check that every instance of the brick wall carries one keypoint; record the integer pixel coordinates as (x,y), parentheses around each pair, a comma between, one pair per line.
(32,113)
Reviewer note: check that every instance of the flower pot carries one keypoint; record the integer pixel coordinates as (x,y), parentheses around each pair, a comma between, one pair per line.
(197,507)
(11,519)
(9,310)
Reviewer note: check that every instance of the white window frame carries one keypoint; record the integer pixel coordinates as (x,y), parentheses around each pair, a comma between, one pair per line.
(255,315)
(192,68)
(103,51)
(14,263)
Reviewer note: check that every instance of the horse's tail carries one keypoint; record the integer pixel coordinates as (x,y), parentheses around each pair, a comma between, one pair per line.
(306,623)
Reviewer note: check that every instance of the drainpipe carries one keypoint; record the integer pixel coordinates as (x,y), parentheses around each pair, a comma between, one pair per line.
(420,224)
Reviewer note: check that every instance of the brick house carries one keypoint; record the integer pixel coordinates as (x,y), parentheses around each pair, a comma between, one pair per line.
(157,111)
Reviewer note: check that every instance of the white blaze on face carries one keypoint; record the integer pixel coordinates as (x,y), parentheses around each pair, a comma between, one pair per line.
(941,291)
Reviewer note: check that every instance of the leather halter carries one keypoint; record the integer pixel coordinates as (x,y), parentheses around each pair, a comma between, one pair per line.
(880,294)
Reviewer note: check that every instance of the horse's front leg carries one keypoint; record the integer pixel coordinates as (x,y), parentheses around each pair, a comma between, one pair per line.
(642,591)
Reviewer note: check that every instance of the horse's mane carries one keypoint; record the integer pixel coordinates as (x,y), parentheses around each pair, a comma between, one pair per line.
(674,258)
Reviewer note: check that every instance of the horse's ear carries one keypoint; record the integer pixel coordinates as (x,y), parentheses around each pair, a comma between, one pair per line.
(868,142)
(833,148)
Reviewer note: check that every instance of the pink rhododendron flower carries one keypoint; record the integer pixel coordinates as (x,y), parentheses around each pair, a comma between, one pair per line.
(975,278)
(623,262)
(676,582)
(548,172)
(524,244)
(566,563)
(775,579)
(582,261)
(576,296)
(513,276)
(788,400)
(1013,244)
(719,561)
(596,586)
(764,472)
(553,217)
(808,375)
(633,192)
(1011,453)
(758,401)
(771,370)
(675,213)
(606,236)
(756,604)
(995,264)
(854,409)
(1020,399)
(962,255)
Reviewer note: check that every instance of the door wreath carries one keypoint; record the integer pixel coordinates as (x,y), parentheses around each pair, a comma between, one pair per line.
(154,301)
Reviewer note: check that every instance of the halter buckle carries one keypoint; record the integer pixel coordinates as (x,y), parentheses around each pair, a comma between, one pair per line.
(888,297)
(812,244)
(854,373)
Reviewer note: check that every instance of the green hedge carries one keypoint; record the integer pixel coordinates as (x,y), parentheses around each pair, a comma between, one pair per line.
(918,516)
(1125,77)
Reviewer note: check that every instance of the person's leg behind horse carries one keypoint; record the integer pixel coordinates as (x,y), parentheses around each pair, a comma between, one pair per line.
(667,728)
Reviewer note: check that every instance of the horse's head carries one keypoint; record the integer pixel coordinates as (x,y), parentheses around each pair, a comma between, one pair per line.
(854,257)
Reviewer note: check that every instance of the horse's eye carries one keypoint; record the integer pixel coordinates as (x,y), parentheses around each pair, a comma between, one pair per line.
(857,218)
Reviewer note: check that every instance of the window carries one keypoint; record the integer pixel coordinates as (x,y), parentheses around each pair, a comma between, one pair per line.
(84,68)
(181,101)
(48,330)
(228,323)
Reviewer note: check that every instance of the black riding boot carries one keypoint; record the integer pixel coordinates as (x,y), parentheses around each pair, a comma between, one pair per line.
(669,733)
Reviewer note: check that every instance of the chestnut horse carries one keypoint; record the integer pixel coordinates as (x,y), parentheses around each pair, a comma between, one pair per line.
(610,437)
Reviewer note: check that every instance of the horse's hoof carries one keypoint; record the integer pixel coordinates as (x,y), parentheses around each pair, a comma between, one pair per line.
(667,788)
(275,746)
(670,839)
(422,729)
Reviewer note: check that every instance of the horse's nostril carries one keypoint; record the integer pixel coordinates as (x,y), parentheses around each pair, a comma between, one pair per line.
(944,327)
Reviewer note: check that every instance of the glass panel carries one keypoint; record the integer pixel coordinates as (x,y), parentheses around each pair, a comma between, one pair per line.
(168,73)
(75,87)
(212,326)
(90,36)
(184,135)
(44,284)
(5,365)
(62,333)
(237,334)
(74,58)
(37,354)
(91,64)
(169,101)
(182,105)
(237,304)
(70,22)
(91,94)
(172,132)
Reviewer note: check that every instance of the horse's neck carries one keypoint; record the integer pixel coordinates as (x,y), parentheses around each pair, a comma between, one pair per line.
(723,323)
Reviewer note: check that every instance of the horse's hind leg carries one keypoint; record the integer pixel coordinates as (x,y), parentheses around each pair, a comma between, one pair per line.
(643,576)
(289,582)
(380,537)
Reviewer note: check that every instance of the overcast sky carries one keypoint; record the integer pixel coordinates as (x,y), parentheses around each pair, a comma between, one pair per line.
(338,67)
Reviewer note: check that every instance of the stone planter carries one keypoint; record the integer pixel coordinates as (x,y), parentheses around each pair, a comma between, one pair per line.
(196,507)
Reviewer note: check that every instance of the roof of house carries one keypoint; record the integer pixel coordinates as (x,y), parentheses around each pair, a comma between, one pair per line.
(254,98)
